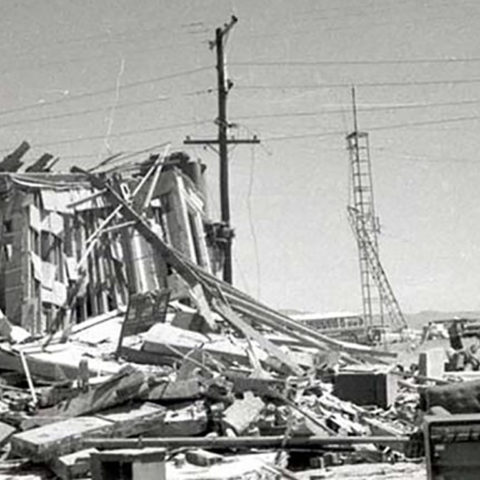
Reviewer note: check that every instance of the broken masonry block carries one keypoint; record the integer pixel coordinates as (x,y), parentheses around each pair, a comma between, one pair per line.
(242,413)
(134,464)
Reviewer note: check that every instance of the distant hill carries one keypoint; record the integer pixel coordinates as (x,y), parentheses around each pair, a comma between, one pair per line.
(418,320)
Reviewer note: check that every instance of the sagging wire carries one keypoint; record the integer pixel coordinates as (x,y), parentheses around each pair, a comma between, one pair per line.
(242,275)
(251,222)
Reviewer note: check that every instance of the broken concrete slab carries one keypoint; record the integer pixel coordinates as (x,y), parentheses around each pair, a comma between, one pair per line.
(169,340)
(431,363)
(130,421)
(203,458)
(60,438)
(58,362)
(190,420)
(73,465)
(45,443)
(243,413)
(169,391)
(118,389)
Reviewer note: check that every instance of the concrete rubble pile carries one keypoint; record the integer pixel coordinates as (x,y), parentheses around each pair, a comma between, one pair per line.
(185,399)
(122,349)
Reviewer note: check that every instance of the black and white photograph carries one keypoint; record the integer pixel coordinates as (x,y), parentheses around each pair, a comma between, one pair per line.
(238,241)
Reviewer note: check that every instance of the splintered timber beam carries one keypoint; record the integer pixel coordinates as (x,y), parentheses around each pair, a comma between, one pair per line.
(226,312)
(188,272)
(29,378)
(41,164)
(268,442)
(260,313)
(13,161)
(241,302)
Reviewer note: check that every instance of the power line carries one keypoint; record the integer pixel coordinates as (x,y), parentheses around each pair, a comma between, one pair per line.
(364,84)
(126,133)
(367,109)
(73,60)
(363,25)
(78,113)
(109,37)
(326,63)
(127,156)
(121,156)
(431,159)
(426,123)
(94,93)
(252,223)
(378,128)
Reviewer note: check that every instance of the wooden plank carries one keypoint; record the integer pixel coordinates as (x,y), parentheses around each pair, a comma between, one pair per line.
(263,315)
(253,334)
(29,378)
(41,164)
(199,299)
(12,162)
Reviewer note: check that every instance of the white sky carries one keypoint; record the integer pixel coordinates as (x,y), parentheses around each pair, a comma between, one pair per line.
(57,56)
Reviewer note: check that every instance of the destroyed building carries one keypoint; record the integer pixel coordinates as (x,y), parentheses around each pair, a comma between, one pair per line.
(119,333)
(50,242)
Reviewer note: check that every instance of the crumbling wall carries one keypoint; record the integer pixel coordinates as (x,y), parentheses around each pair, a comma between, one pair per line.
(183,208)
(14,257)
(50,246)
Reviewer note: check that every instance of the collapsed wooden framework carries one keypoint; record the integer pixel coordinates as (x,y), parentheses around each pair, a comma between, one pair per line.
(64,248)
(211,295)
(139,259)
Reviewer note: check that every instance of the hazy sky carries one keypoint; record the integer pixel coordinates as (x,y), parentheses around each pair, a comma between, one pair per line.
(292,63)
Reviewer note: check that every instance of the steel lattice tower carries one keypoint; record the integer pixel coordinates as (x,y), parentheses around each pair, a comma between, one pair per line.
(378,298)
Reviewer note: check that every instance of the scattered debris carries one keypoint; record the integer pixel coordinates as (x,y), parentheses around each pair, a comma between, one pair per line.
(121,347)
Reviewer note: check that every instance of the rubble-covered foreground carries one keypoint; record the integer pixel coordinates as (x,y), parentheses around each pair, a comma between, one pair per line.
(125,356)
(183,398)
(399,471)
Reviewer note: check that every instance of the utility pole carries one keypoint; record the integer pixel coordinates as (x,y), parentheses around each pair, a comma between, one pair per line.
(224,86)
